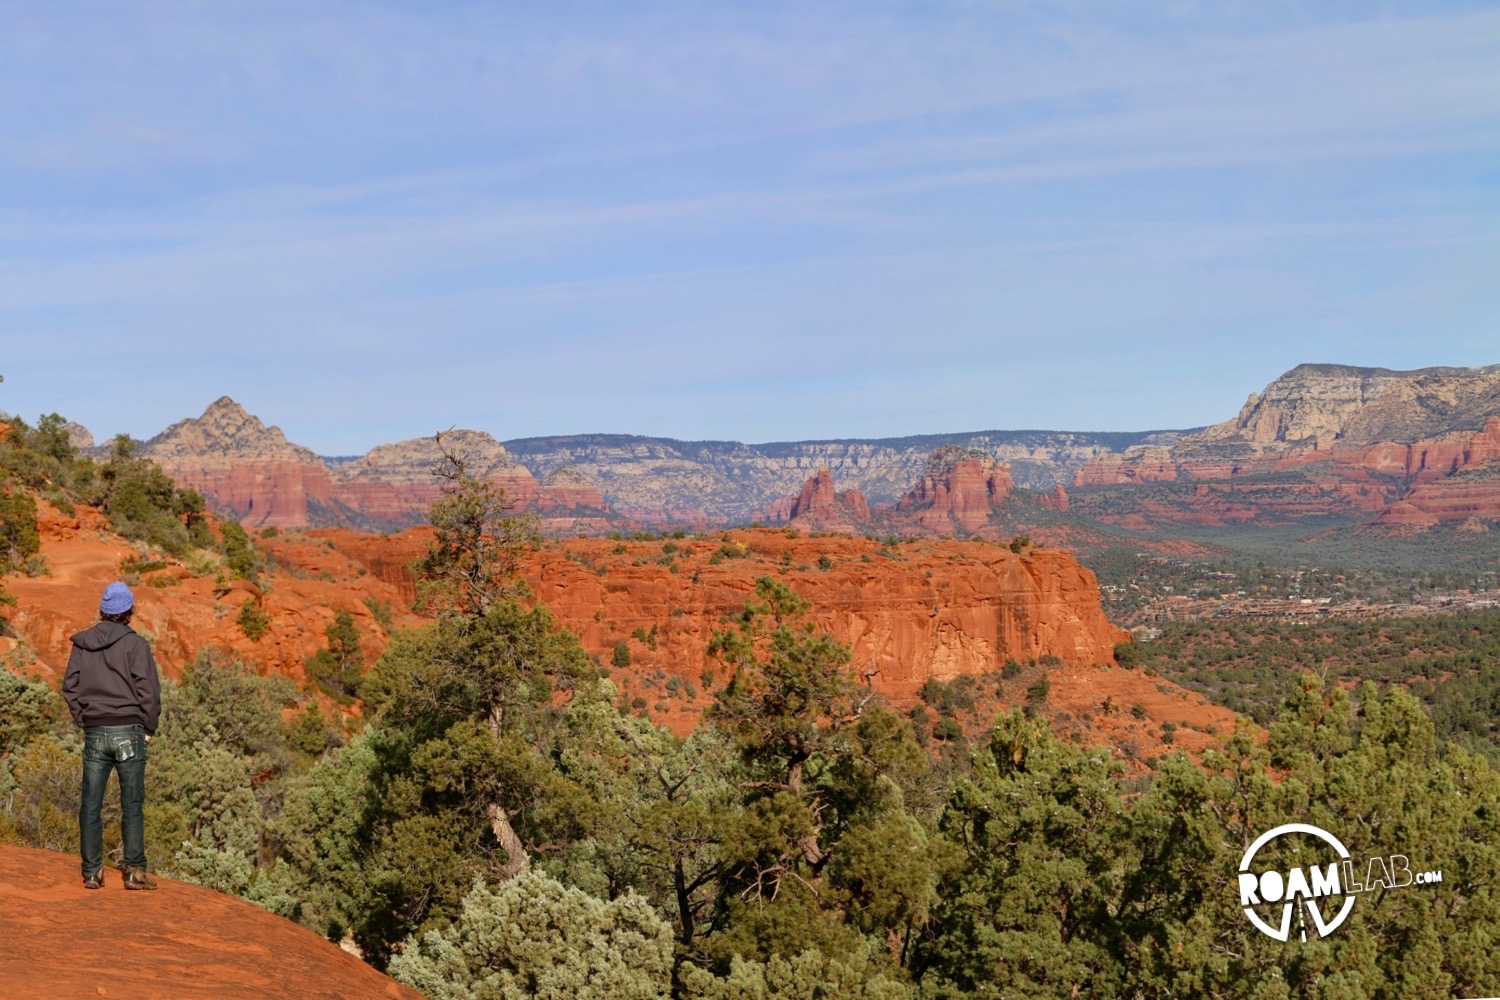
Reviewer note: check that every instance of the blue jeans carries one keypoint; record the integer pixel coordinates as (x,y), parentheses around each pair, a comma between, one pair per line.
(123,749)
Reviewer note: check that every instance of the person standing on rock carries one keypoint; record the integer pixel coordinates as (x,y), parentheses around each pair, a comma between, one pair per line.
(112,689)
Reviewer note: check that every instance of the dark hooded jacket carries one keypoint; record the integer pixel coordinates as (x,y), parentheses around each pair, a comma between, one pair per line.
(111,678)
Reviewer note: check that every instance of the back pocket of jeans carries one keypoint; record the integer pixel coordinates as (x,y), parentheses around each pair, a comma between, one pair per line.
(123,746)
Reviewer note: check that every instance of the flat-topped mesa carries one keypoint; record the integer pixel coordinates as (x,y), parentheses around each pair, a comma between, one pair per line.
(959,489)
(1320,441)
(244,468)
(994,604)
(657,480)
(1407,450)
(820,507)
(1319,407)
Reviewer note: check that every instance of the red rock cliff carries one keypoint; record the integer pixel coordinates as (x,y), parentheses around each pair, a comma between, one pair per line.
(925,609)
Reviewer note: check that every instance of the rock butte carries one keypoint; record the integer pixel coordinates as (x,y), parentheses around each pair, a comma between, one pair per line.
(957,493)
(819,507)
(182,942)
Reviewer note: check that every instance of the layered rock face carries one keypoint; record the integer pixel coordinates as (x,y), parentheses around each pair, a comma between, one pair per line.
(1142,464)
(904,626)
(1320,441)
(911,612)
(245,468)
(958,491)
(937,609)
(1470,495)
(395,483)
(596,482)
(252,473)
(569,489)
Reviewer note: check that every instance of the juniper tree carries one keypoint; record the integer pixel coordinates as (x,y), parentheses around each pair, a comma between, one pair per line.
(477,556)
(1039,825)
(465,735)
(827,849)
(336,668)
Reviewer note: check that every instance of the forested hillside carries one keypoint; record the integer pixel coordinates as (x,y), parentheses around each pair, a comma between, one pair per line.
(1451,663)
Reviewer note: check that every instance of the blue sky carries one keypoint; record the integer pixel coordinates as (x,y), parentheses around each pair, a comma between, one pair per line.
(766,221)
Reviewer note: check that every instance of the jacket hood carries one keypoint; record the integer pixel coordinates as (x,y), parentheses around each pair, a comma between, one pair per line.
(101,636)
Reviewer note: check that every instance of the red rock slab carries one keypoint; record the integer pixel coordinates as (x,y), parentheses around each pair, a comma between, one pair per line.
(181,942)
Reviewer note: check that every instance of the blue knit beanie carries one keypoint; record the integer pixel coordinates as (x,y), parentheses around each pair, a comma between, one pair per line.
(117,599)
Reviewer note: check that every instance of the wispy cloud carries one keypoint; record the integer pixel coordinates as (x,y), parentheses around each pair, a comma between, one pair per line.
(678,217)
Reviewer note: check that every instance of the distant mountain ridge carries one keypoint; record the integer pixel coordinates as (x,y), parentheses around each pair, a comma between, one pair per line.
(729,481)
(251,471)
(1362,444)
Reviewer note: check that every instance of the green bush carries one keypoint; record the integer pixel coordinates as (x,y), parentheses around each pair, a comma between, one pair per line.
(19,540)
(948,729)
(240,554)
(533,936)
(252,620)
(40,457)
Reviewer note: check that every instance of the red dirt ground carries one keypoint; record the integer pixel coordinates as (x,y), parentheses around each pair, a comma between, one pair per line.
(181,942)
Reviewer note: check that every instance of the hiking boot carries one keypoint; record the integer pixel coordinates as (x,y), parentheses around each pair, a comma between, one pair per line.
(95,881)
(136,878)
